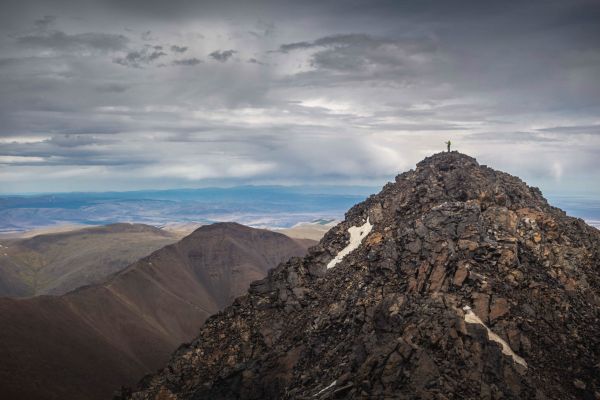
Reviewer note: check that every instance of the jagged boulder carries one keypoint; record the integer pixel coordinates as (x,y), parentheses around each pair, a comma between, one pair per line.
(467,285)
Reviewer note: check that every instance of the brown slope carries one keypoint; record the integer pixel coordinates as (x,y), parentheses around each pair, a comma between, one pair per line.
(88,342)
(56,263)
(468,286)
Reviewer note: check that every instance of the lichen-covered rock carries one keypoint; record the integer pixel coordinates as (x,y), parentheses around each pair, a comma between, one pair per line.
(469,286)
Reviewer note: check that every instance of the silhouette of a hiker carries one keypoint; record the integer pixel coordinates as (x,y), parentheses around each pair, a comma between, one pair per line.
(448,143)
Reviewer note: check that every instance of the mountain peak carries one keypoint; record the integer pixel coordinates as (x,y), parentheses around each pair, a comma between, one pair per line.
(458,177)
(455,281)
(452,158)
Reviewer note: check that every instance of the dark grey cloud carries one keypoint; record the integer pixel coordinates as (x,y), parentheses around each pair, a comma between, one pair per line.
(44,36)
(511,137)
(112,87)
(61,41)
(66,150)
(188,62)
(222,56)
(9,62)
(264,30)
(147,36)
(45,22)
(352,58)
(70,141)
(255,61)
(287,47)
(178,49)
(140,58)
(353,40)
(573,130)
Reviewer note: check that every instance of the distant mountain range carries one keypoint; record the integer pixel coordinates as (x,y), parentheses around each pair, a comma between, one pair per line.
(581,206)
(88,342)
(55,263)
(259,206)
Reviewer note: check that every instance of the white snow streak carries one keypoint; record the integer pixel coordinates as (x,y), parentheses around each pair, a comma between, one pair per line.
(357,234)
(328,387)
(472,318)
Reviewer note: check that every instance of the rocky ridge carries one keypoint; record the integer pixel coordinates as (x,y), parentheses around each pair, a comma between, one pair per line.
(468,286)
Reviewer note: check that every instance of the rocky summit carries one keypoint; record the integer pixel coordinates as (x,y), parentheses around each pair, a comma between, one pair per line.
(456,281)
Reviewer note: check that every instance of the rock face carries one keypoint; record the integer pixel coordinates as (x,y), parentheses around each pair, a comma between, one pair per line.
(87,343)
(469,285)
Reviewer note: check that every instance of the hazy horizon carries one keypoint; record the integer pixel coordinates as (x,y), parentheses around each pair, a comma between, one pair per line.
(258,206)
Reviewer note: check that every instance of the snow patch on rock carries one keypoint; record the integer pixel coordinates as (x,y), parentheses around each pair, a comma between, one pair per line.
(472,318)
(324,389)
(357,235)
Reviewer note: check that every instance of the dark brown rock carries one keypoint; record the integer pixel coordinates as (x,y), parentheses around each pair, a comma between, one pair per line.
(498,308)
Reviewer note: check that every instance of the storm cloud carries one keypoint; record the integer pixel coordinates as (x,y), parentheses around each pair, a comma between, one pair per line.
(106,94)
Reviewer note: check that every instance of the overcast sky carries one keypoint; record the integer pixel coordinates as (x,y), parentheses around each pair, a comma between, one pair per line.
(117,95)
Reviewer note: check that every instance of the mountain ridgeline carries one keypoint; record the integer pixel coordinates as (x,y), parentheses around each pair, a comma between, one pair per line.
(56,263)
(88,342)
(464,283)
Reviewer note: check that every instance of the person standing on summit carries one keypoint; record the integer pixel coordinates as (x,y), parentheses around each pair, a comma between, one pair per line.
(448,143)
